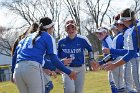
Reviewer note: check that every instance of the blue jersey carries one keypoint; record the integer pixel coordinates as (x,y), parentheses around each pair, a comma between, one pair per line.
(130,43)
(118,43)
(107,42)
(44,45)
(74,48)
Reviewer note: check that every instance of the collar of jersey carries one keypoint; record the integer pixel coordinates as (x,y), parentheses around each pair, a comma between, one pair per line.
(71,39)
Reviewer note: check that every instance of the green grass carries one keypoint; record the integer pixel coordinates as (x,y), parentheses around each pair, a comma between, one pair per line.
(95,82)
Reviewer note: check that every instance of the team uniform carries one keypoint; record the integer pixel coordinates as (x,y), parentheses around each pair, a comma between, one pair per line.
(74,48)
(29,60)
(107,42)
(118,73)
(128,76)
(130,52)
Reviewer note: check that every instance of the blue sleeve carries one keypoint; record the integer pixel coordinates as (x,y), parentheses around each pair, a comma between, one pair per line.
(14,57)
(48,65)
(55,61)
(87,45)
(119,42)
(119,52)
(132,47)
(119,45)
(129,55)
(104,44)
(59,50)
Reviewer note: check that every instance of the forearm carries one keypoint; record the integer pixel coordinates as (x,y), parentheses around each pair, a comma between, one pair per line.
(57,63)
(13,62)
(129,55)
(48,65)
(119,63)
(105,59)
(91,56)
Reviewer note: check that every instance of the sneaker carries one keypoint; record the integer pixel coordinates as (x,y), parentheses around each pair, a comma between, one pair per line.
(121,90)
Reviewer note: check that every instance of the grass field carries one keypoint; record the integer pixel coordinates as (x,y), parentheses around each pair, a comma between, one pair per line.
(95,82)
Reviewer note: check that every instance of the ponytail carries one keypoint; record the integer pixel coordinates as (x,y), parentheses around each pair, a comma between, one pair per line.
(45,23)
(17,41)
(31,29)
(137,31)
(38,33)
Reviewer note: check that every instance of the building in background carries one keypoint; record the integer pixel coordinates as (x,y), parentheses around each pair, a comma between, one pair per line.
(5,68)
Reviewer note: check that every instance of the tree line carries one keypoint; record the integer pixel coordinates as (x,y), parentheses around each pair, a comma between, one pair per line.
(88,14)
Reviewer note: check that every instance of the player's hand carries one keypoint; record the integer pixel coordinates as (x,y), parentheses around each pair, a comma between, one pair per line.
(47,71)
(106,50)
(67,61)
(95,65)
(109,66)
(73,75)
(53,73)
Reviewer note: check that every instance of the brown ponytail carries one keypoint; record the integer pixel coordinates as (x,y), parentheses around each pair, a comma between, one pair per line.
(31,29)
(16,42)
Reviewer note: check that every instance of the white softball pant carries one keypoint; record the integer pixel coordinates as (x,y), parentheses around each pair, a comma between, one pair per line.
(29,77)
(117,75)
(135,72)
(74,86)
(128,76)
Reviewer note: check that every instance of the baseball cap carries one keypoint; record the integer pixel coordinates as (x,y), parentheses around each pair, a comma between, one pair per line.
(101,29)
(70,22)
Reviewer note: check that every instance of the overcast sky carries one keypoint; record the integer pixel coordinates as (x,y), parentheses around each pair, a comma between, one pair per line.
(6,17)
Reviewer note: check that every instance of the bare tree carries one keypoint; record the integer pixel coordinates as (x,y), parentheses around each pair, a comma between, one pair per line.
(32,10)
(136,7)
(73,7)
(7,38)
(97,11)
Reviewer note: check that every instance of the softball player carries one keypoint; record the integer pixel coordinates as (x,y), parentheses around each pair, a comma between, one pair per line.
(48,83)
(128,76)
(31,29)
(29,58)
(130,46)
(73,47)
(107,42)
(118,74)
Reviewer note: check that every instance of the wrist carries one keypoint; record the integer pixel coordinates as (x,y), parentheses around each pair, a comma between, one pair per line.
(101,62)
